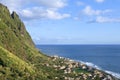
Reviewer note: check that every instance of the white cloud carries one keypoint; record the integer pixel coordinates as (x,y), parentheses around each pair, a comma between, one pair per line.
(13,5)
(44,9)
(99,1)
(52,3)
(76,18)
(91,12)
(101,19)
(41,13)
(79,3)
(99,16)
(55,15)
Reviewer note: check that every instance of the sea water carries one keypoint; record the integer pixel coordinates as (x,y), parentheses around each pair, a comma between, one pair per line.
(105,57)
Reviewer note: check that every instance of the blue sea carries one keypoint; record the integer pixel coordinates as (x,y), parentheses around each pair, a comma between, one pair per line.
(104,57)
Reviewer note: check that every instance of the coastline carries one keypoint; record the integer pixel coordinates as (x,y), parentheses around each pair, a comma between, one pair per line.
(114,75)
(117,75)
(51,50)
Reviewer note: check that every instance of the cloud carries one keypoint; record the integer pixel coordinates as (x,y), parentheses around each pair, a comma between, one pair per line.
(100,1)
(101,19)
(99,16)
(52,3)
(76,18)
(13,5)
(41,13)
(79,3)
(58,40)
(37,9)
(91,12)
(55,15)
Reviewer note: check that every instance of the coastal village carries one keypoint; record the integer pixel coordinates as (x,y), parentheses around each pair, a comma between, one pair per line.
(77,70)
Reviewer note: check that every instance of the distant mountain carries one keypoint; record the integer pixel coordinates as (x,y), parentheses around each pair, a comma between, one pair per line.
(20,60)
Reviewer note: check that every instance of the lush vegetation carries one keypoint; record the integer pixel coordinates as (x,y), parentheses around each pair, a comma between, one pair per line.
(20,60)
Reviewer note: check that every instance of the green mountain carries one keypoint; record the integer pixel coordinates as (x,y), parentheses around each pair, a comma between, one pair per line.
(20,60)
(17,50)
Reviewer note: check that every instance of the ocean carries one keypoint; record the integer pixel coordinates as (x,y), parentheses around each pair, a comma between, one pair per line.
(104,57)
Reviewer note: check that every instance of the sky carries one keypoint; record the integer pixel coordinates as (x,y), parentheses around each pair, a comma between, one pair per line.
(69,21)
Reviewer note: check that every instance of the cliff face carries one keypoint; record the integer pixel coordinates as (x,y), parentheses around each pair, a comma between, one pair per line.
(13,35)
(17,50)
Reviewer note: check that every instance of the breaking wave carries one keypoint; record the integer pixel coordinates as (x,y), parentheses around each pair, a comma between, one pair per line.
(117,75)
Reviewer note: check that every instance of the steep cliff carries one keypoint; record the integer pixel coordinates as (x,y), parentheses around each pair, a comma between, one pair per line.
(17,50)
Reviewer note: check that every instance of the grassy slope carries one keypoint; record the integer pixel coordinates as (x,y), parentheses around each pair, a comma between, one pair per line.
(14,64)
(17,51)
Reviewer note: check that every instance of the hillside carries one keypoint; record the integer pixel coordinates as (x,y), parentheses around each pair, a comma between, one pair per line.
(20,60)
(17,50)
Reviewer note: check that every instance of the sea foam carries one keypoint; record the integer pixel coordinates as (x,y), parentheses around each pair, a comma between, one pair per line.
(117,75)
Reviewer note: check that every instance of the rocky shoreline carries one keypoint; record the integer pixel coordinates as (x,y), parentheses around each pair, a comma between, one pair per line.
(78,70)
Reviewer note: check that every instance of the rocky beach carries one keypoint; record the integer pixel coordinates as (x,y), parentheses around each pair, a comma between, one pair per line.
(78,70)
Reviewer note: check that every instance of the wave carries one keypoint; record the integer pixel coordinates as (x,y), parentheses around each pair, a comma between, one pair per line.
(92,65)
(117,75)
